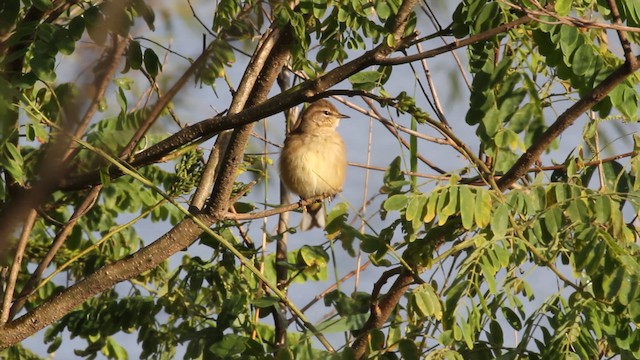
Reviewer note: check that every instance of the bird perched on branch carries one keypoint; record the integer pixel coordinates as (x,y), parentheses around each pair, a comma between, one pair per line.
(313,161)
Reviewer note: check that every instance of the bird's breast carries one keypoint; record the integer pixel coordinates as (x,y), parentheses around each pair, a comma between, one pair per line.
(314,164)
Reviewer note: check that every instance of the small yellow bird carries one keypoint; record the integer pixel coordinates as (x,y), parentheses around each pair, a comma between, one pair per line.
(313,161)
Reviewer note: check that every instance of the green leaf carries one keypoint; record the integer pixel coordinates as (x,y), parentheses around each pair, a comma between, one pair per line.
(342,324)
(569,41)
(265,301)
(152,63)
(444,354)
(43,68)
(42,5)
(578,211)
(396,202)
(512,318)
(415,207)
(426,301)
(612,282)
(383,10)
(496,336)
(365,80)
(521,118)
(628,290)
(451,206)
(443,196)
(113,350)
(552,220)
(408,350)
(313,256)
(8,14)
(229,346)
(467,206)
(430,212)
(134,55)
(634,310)
(95,25)
(625,98)
(602,209)
(487,18)
(64,42)
(482,211)
(491,122)
(508,139)
(146,12)
(370,244)
(319,8)
(563,7)
(583,60)
(391,40)
(13,162)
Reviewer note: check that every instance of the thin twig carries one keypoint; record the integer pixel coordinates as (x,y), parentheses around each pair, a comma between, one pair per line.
(456,44)
(16,265)
(432,88)
(326,291)
(275,211)
(408,173)
(282,271)
(393,127)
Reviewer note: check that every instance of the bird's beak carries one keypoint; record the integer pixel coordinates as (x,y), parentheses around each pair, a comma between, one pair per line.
(343,116)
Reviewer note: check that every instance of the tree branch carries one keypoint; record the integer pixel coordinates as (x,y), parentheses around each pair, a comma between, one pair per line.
(305,92)
(566,119)
(61,237)
(456,44)
(381,310)
(626,45)
(179,237)
(103,279)
(16,265)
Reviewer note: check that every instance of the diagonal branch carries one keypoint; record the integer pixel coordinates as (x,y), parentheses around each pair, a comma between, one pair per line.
(456,44)
(624,41)
(16,265)
(566,119)
(381,309)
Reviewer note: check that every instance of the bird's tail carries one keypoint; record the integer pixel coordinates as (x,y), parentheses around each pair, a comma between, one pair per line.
(312,216)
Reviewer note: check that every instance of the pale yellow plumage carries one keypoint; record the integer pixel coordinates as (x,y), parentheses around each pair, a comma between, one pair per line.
(313,161)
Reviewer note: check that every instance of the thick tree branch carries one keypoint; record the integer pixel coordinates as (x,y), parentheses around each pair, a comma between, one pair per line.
(253,89)
(103,279)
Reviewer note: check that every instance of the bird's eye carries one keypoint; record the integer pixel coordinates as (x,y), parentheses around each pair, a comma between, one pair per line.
(326,112)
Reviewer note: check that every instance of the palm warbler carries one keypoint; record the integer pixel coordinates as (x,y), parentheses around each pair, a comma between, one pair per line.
(313,161)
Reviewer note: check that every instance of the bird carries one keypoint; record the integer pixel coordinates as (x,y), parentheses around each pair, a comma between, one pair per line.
(313,161)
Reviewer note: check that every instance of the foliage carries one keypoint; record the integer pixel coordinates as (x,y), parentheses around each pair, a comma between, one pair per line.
(550,255)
